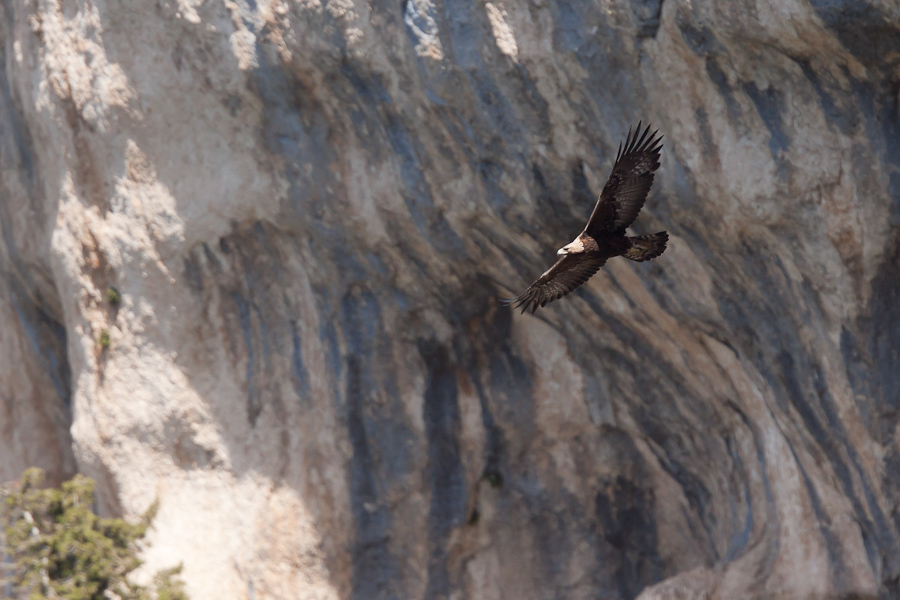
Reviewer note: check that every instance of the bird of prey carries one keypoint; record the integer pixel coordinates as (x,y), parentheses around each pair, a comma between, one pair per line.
(604,236)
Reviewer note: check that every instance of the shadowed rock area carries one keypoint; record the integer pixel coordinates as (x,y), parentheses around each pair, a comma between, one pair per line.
(309,210)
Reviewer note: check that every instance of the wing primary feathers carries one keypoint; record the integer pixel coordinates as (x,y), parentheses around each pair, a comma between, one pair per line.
(628,184)
(640,142)
(634,137)
(637,143)
(569,273)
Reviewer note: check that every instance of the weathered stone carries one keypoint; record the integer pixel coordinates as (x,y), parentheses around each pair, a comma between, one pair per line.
(308,211)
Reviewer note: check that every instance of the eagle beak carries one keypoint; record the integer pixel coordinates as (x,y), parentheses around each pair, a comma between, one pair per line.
(562,252)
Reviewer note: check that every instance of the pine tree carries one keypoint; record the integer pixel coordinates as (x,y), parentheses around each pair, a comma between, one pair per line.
(60,549)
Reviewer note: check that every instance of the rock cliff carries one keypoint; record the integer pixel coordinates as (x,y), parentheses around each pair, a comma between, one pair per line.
(250,258)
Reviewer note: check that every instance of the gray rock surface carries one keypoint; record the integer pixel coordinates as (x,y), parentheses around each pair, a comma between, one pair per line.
(309,209)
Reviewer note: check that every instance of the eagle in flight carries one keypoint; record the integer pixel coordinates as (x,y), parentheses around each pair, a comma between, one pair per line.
(604,236)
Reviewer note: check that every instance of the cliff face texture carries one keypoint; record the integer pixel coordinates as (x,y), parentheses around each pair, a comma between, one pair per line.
(309,209)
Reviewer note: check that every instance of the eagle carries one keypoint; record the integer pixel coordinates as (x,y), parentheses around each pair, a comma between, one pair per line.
(604,236)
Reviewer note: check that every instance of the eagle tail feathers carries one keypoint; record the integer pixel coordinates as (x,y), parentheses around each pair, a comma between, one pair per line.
(647,247)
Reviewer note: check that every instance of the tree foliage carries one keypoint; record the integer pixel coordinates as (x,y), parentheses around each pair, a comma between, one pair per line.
(61,549)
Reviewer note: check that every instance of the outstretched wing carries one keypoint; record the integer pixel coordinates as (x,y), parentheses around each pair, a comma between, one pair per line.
(629,183)
(569,273)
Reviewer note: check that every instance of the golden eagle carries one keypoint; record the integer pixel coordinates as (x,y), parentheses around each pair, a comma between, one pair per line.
(604,236)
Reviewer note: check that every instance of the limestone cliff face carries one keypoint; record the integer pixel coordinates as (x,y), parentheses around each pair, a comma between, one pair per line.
(309,209)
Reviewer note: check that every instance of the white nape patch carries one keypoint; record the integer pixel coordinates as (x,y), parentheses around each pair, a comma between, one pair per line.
(419,17)
(503,33)
(574,247)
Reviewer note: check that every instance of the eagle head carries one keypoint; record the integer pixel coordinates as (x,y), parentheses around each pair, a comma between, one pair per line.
(575,247)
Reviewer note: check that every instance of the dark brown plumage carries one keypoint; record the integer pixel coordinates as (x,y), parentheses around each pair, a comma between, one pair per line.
(604,237)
